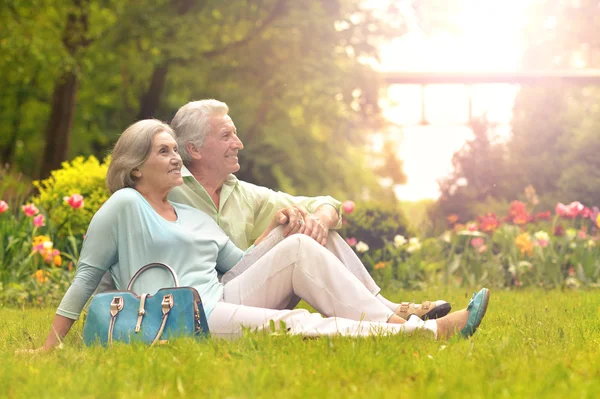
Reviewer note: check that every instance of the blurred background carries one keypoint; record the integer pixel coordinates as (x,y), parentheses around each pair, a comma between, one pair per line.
(307,83)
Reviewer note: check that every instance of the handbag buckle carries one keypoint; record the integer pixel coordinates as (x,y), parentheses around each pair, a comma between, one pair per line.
(116,305)
(167,303)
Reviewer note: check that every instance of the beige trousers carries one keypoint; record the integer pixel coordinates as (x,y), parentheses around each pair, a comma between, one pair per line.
(299,267)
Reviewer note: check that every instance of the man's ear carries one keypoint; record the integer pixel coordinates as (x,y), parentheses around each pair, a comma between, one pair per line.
(136,173)
(193,150)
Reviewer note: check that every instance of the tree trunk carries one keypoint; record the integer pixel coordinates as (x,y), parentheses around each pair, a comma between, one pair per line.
(58,126)
(151,99)
(9,151)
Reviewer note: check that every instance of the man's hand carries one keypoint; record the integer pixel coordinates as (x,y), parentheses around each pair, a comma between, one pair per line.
(315,228)
(314,225)
(293,217)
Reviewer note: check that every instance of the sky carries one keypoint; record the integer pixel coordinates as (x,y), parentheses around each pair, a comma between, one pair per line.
(488,39)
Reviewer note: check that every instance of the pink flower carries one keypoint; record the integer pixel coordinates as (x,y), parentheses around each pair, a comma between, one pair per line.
(542,242)
(575,208)
(477,242)
(351,241)
(570,211)
(75,201)
(39,220)
(581,234)
(472,227)
(3,206)
(348,206)
(543,216)
(30,210)
(586,213)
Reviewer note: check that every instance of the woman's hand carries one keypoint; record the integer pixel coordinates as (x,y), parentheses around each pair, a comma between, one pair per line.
(31,351)
(59,330)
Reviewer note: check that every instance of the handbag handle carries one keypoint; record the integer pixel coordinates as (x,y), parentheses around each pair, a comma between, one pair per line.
(151,266)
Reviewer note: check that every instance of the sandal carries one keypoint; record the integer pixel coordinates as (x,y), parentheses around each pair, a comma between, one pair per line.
(476,308)
(425,311)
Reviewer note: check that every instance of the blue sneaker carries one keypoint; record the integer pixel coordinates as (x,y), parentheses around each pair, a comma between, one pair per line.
(476,308)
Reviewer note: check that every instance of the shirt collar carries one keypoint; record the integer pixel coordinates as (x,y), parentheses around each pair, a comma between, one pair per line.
(186,174)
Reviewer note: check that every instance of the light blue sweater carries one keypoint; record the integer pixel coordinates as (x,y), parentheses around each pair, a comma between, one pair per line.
(126,234)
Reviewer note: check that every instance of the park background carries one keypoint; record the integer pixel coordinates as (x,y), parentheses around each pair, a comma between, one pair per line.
(507,200)
(506,197)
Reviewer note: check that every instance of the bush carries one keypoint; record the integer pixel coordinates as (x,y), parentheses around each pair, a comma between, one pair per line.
(33,269)
(80,176)
(375,224)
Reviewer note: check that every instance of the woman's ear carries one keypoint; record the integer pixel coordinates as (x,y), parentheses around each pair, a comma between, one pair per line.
(136,173)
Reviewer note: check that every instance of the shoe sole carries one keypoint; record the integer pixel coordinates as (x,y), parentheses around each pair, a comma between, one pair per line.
(485,305)
(437,312)
(481,314)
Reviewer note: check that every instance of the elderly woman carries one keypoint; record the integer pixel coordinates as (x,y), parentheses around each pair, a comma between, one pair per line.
(139,225)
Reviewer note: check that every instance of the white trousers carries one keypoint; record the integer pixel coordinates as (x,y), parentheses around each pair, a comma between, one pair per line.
(335,244)
(299,267)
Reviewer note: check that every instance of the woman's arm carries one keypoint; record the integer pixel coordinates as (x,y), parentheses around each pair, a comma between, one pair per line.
(60,327)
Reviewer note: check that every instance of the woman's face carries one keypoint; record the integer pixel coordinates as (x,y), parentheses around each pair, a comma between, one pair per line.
(162,169)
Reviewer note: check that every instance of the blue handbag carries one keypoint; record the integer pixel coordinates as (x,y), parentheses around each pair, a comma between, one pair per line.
(126,317)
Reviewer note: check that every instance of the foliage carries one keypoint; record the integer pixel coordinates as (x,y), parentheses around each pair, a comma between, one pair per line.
(80,176)
(555,127)
(480,173)
(375,224)
(32,269)
(293,73)
(531,344)
(523,249)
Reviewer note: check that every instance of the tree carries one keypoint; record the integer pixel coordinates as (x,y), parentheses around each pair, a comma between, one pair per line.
(555,127)
(292,72)
(480,173)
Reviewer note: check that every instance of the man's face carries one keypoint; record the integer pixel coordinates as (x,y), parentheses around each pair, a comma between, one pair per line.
(220,150)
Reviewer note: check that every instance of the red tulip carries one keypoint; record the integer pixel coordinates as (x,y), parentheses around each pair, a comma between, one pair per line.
(39,220)
(3,206)
(75,201)
(30,210)
(348,206)
(351,241)
(543,215)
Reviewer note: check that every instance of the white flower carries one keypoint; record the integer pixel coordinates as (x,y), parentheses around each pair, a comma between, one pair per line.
(525,266)
(572,282)
(399,241)
(591,243)
(542,236)
(362,247)
(413,245)
(446,237)
(48,244)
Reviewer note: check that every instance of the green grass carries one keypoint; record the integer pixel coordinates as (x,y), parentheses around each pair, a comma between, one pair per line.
(532,344)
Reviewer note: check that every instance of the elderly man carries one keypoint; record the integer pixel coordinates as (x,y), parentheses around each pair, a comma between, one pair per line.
(209,146)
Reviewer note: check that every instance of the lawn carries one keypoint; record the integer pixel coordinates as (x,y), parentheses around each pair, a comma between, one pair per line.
(532,344)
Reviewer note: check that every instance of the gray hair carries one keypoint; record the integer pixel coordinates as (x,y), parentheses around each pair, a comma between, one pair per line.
(131,151)
(191,123)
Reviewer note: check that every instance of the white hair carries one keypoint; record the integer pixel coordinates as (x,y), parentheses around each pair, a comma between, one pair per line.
(131,151)
(191,123)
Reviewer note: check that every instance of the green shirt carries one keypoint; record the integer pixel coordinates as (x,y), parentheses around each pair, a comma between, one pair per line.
(245,210)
